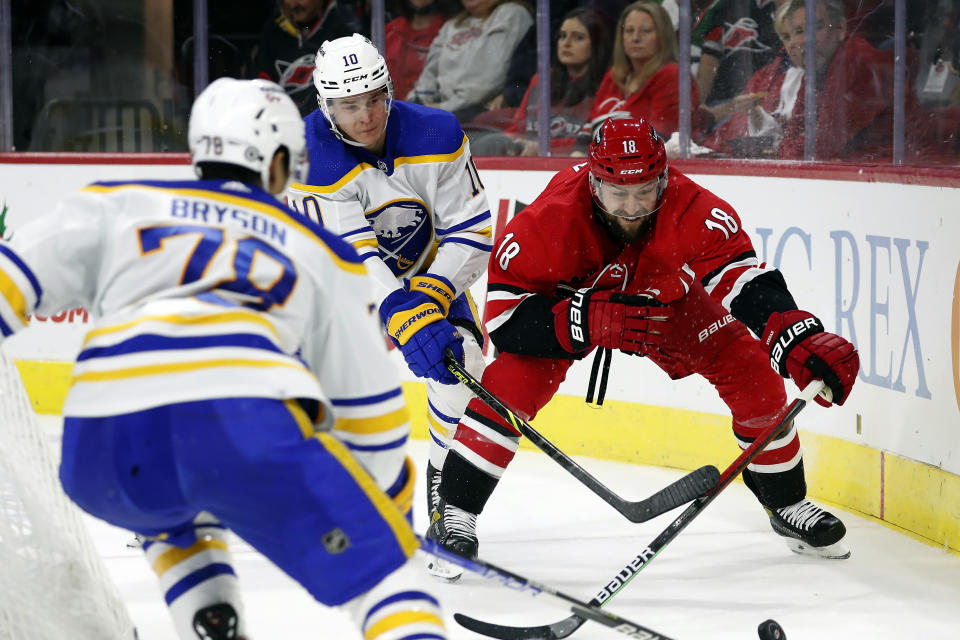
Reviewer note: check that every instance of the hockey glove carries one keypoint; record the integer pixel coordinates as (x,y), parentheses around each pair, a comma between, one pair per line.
(609,319)
(802,350)
(417,327)
(438,288)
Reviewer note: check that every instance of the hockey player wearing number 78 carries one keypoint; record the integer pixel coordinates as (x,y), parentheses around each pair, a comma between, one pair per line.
(192,407)
(620,253)
(397,181)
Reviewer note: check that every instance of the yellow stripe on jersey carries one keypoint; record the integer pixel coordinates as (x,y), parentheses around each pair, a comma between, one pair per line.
(352,267)
(377,424)
(320,189)
(394,519)
(438,157)
(214,318)
(486,231)
(174,556)
(180,367)
(363,166)
(300,417)
(400,619)
(10,291)
(361,244)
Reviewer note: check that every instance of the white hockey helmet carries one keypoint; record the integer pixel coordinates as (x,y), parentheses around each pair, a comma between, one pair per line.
(349,66)
(244,122)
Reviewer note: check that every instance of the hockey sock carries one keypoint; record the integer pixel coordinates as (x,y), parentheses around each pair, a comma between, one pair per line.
(399,606)
(196,576)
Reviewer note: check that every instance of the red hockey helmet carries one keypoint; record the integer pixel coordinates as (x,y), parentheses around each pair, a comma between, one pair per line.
(627,151)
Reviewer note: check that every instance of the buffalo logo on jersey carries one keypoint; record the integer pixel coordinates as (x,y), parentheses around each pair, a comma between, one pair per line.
(404,231)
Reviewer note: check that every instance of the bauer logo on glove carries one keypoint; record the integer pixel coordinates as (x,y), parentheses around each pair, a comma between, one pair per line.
(788,338)
(801,349)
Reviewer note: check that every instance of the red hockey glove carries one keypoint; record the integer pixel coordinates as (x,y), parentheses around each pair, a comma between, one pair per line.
(802,350)
(609,319)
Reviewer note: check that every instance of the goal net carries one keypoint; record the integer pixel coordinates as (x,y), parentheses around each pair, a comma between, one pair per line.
(53,584)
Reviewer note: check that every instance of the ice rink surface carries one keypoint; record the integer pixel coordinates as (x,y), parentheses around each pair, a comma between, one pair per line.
(722,576)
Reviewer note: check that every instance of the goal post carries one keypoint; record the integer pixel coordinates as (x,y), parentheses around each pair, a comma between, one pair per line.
(53,583)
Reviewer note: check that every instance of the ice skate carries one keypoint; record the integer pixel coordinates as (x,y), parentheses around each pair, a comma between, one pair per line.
(810,530)
(456,530)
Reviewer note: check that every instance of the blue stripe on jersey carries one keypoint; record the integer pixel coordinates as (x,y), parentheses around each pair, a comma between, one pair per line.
(15,259)
(399,597)
(469,243)
(153,342)
(376,447)
(354,402)
(5,329)
(366,229)
(440,443)
(463,225)
(442,416)
(200,575)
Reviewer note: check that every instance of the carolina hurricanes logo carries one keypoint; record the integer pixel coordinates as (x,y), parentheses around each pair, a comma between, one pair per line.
(296,75)
(742,35)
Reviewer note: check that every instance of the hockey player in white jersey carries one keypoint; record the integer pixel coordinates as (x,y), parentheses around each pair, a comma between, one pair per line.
(234,341)
(397,181)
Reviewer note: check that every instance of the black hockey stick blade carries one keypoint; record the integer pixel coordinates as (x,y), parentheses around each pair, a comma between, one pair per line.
(560,629)
(567,626)
(516,582)
(687,488)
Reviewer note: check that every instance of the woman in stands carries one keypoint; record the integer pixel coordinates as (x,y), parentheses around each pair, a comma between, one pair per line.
(467,61)
(643,81)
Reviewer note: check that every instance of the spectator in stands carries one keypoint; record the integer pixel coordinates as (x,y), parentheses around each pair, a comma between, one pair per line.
(580,60)
(644,79)
(854,92)
(407,39)
(467,62)
(523,64)
(765,105)
(289,44)
(738,39)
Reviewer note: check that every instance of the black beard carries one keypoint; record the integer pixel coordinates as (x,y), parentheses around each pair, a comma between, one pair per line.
(617,233)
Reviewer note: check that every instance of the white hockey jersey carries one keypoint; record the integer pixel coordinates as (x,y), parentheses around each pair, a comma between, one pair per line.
(421,207)
(207,289)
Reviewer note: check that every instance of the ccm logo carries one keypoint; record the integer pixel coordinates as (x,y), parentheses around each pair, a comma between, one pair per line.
(631,171)
(356,78)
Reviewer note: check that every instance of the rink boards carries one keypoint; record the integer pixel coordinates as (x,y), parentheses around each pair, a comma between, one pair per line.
(874,253)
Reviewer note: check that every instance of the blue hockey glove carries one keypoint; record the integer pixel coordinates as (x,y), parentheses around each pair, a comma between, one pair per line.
(416,325)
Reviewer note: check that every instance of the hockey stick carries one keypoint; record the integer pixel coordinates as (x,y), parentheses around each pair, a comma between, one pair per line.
(689,487)
(567,626)
(581,610)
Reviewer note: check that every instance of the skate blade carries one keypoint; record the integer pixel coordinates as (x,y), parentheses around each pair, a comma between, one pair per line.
(443,569)
(836,551)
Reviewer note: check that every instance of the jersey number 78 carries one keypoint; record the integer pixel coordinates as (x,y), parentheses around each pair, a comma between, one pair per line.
(209,241)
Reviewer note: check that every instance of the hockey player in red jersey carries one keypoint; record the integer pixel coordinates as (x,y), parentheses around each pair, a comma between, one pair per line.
(620,253)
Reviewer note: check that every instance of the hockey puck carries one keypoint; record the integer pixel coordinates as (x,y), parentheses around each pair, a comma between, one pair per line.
(771,630)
